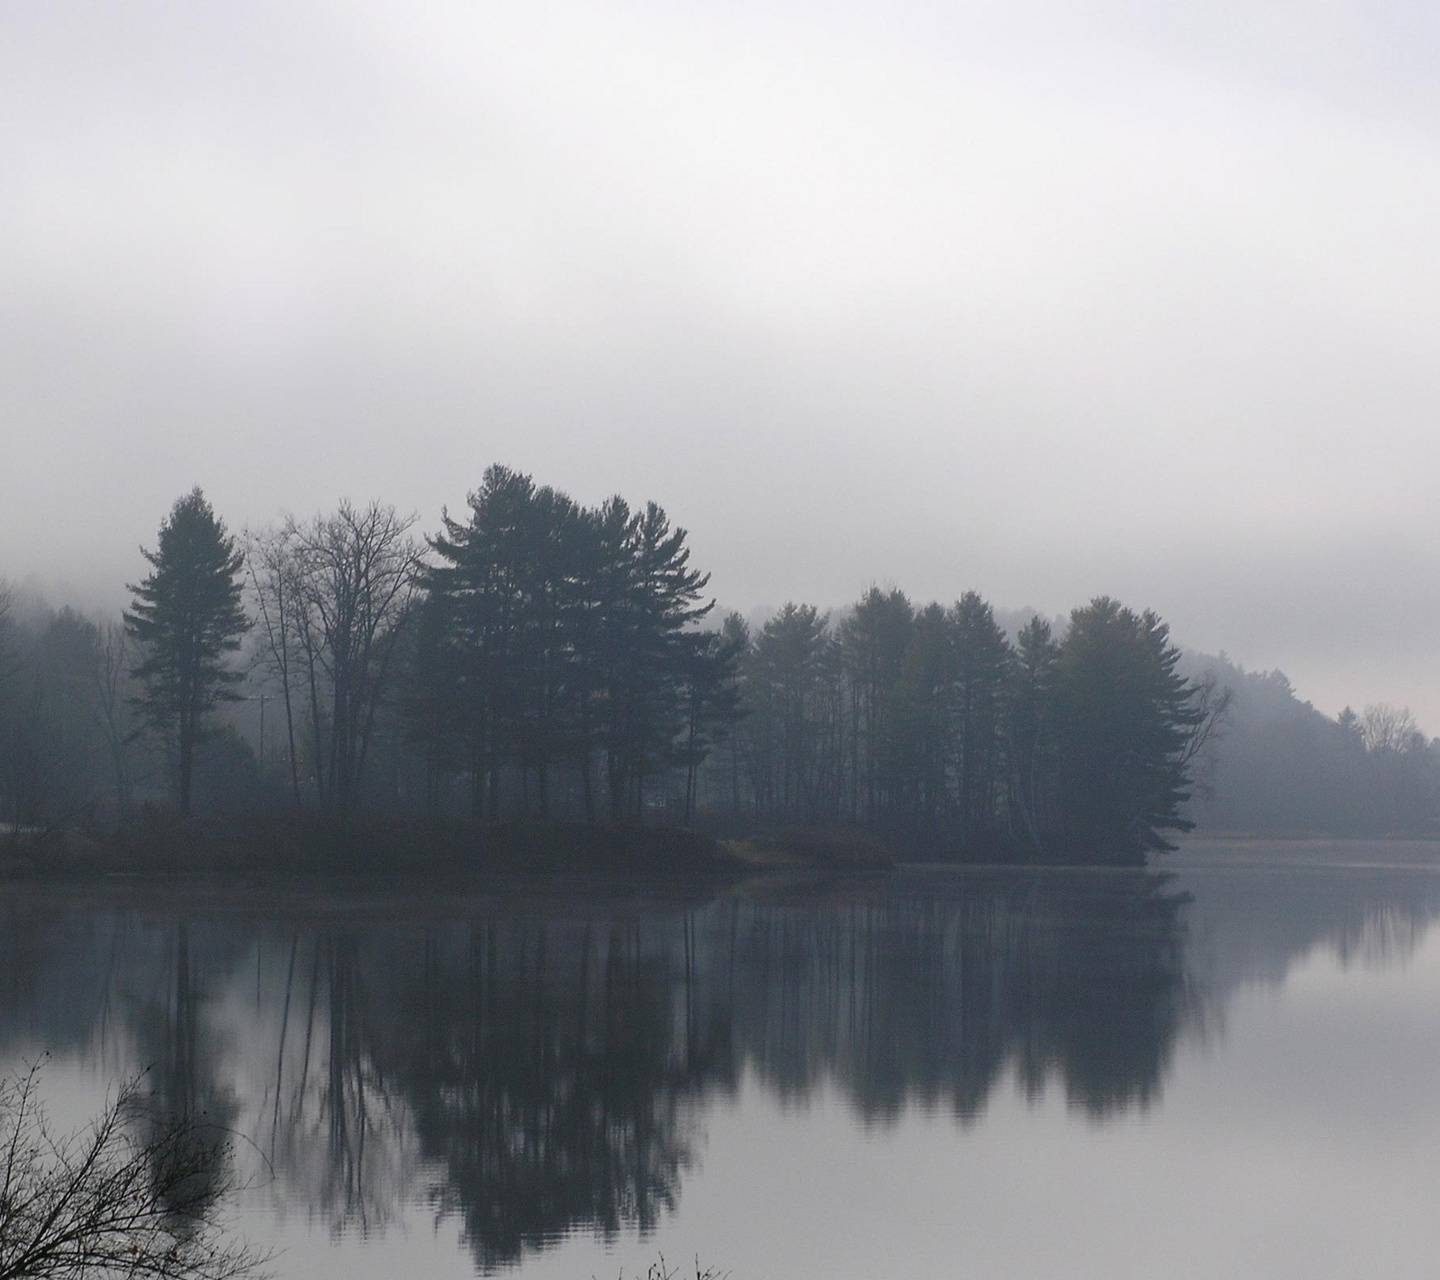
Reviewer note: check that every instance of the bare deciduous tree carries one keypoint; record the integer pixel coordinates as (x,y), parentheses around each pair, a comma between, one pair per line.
(1212,706)
(271,564)
(111,680)
(1386,728)
(357,577)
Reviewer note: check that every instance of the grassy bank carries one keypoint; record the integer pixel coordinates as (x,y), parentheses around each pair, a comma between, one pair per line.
(162,843)
(824,848)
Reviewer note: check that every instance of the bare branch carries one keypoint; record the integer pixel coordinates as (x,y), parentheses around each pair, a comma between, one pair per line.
(127,1197)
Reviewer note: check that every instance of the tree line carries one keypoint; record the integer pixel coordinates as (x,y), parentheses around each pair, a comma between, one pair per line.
(1288,768)
(537,658)
(931,723)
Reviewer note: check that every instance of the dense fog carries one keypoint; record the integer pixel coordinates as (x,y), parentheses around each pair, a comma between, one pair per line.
(1043,301)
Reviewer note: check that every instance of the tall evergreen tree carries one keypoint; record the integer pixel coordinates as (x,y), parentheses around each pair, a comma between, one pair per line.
(873,641)
(1352,733)
(982,662)
(432,711)
(559,636)
(1125,722)
(1031,735)
(788,666)
(652,661)
(475,586)
(926,750)
(186,617)
(735,636)
(710,700)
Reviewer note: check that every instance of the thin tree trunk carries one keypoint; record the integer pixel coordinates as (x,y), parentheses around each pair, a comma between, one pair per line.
(588,788)
(186,745)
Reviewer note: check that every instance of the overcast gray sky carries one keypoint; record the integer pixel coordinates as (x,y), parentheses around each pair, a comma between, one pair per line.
(1041,298)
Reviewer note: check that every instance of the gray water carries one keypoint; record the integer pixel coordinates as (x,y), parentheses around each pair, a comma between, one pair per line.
(1229,1066)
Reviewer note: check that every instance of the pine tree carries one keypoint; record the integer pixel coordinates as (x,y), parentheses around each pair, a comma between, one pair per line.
(873,642)
(982,664)
(710,701)
(735,635)
(561,636)
(924,734)
(786,678)
(1031,736)
(651,659)
(1125,720)
(185,617)
(476,585)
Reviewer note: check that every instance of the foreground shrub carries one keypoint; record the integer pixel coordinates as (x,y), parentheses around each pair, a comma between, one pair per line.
(129,1196)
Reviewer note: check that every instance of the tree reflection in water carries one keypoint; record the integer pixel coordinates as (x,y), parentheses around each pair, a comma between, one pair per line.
(532,1067)
(926,1000)
(178,1052)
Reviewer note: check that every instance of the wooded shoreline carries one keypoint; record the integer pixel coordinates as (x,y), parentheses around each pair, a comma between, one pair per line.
(161,844)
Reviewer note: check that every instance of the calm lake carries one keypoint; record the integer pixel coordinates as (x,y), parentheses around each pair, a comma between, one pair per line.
(1227,1067)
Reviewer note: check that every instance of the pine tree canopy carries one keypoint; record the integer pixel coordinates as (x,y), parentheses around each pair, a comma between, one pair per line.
(185,618)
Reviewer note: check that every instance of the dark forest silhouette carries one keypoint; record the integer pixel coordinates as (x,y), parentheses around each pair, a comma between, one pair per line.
(537,660)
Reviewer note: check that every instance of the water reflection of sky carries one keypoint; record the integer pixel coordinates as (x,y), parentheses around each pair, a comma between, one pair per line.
(1227,1070)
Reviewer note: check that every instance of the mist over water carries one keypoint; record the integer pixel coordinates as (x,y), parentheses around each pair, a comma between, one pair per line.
(995,1068)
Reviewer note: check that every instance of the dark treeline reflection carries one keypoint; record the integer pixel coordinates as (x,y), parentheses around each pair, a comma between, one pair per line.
(928,1000)
(527,1070)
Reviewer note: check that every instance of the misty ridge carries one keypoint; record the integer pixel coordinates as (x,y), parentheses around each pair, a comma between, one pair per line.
(533,661)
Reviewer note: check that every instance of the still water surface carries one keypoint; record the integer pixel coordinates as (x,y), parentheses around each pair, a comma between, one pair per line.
(1229,1067)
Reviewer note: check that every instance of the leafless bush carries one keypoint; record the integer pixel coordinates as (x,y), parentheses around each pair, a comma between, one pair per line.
(662,1270)
(128,1197)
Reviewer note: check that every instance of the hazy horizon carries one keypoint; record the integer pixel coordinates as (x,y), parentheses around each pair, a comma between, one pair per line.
(1013,298)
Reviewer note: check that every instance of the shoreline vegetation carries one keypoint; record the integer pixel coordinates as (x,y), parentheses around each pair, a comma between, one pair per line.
(547,687)
(166,844)
(166,847)
(162,845)
(539,684)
